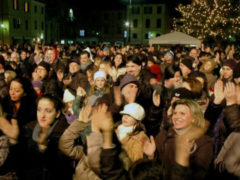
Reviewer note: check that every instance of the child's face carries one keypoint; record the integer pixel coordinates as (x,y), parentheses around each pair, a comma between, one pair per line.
(69,104)
(128,120)
(100,82)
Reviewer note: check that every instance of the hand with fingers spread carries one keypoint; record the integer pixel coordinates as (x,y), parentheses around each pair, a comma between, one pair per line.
(230,93)
(10,129)
(84,115)
(156,98)
(149,147)
(101,119)
(218,92)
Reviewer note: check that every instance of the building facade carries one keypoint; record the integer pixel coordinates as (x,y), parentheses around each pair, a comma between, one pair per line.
(22,21)
(112,28)
(146,21)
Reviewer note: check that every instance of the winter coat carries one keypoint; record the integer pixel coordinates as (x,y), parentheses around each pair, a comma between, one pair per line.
(87,166)
(200,159)
(223,120)
(133,145)
(112,168)
(45,164)
(229,156)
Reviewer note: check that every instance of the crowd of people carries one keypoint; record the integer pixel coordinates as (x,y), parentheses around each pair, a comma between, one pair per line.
(119,112)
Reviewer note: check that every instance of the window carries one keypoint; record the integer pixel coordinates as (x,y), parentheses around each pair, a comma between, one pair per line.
(35,25)
(135,23)
(42,25)
(82,32)
(26,7)
(16,23)
(15,4)
(26,25)
(134,35)
(148,10)
(147,24)
(159,9)
(159,23)
(135,10)
(35,9)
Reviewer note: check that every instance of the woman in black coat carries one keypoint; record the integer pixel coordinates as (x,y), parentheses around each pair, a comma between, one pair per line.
(37,152)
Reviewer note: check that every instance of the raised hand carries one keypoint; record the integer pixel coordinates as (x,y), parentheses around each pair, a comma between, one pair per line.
(84,115)
(129,93)
(10,129)
(230,93)
(218,92)
(102,120)
(67,81)
(60,75)
(113,73)
(184,146)
(156,98)
(81,92)
(149,147)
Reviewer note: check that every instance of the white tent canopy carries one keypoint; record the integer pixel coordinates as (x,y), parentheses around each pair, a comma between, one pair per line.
(175,38)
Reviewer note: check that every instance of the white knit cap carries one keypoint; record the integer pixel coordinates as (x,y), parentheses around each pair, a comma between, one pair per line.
(135,110)
(99,74)
(68,96)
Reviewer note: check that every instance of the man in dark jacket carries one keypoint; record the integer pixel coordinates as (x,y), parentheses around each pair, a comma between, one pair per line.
(75,78)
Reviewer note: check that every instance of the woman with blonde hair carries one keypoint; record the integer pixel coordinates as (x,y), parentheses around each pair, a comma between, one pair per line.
(188,121)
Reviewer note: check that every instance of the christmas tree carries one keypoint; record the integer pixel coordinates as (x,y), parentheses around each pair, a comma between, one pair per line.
(218,19)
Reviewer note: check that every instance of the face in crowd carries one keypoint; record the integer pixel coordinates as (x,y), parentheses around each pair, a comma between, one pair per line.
(16,91)
(47,112)
(133,68)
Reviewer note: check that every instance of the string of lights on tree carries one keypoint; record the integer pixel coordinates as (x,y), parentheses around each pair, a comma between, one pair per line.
(209,18)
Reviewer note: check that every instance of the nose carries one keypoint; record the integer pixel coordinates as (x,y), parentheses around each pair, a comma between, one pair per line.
(42,115)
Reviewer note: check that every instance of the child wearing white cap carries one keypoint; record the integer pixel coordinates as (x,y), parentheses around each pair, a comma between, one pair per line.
(100,85)
(131,132)
(68,99)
